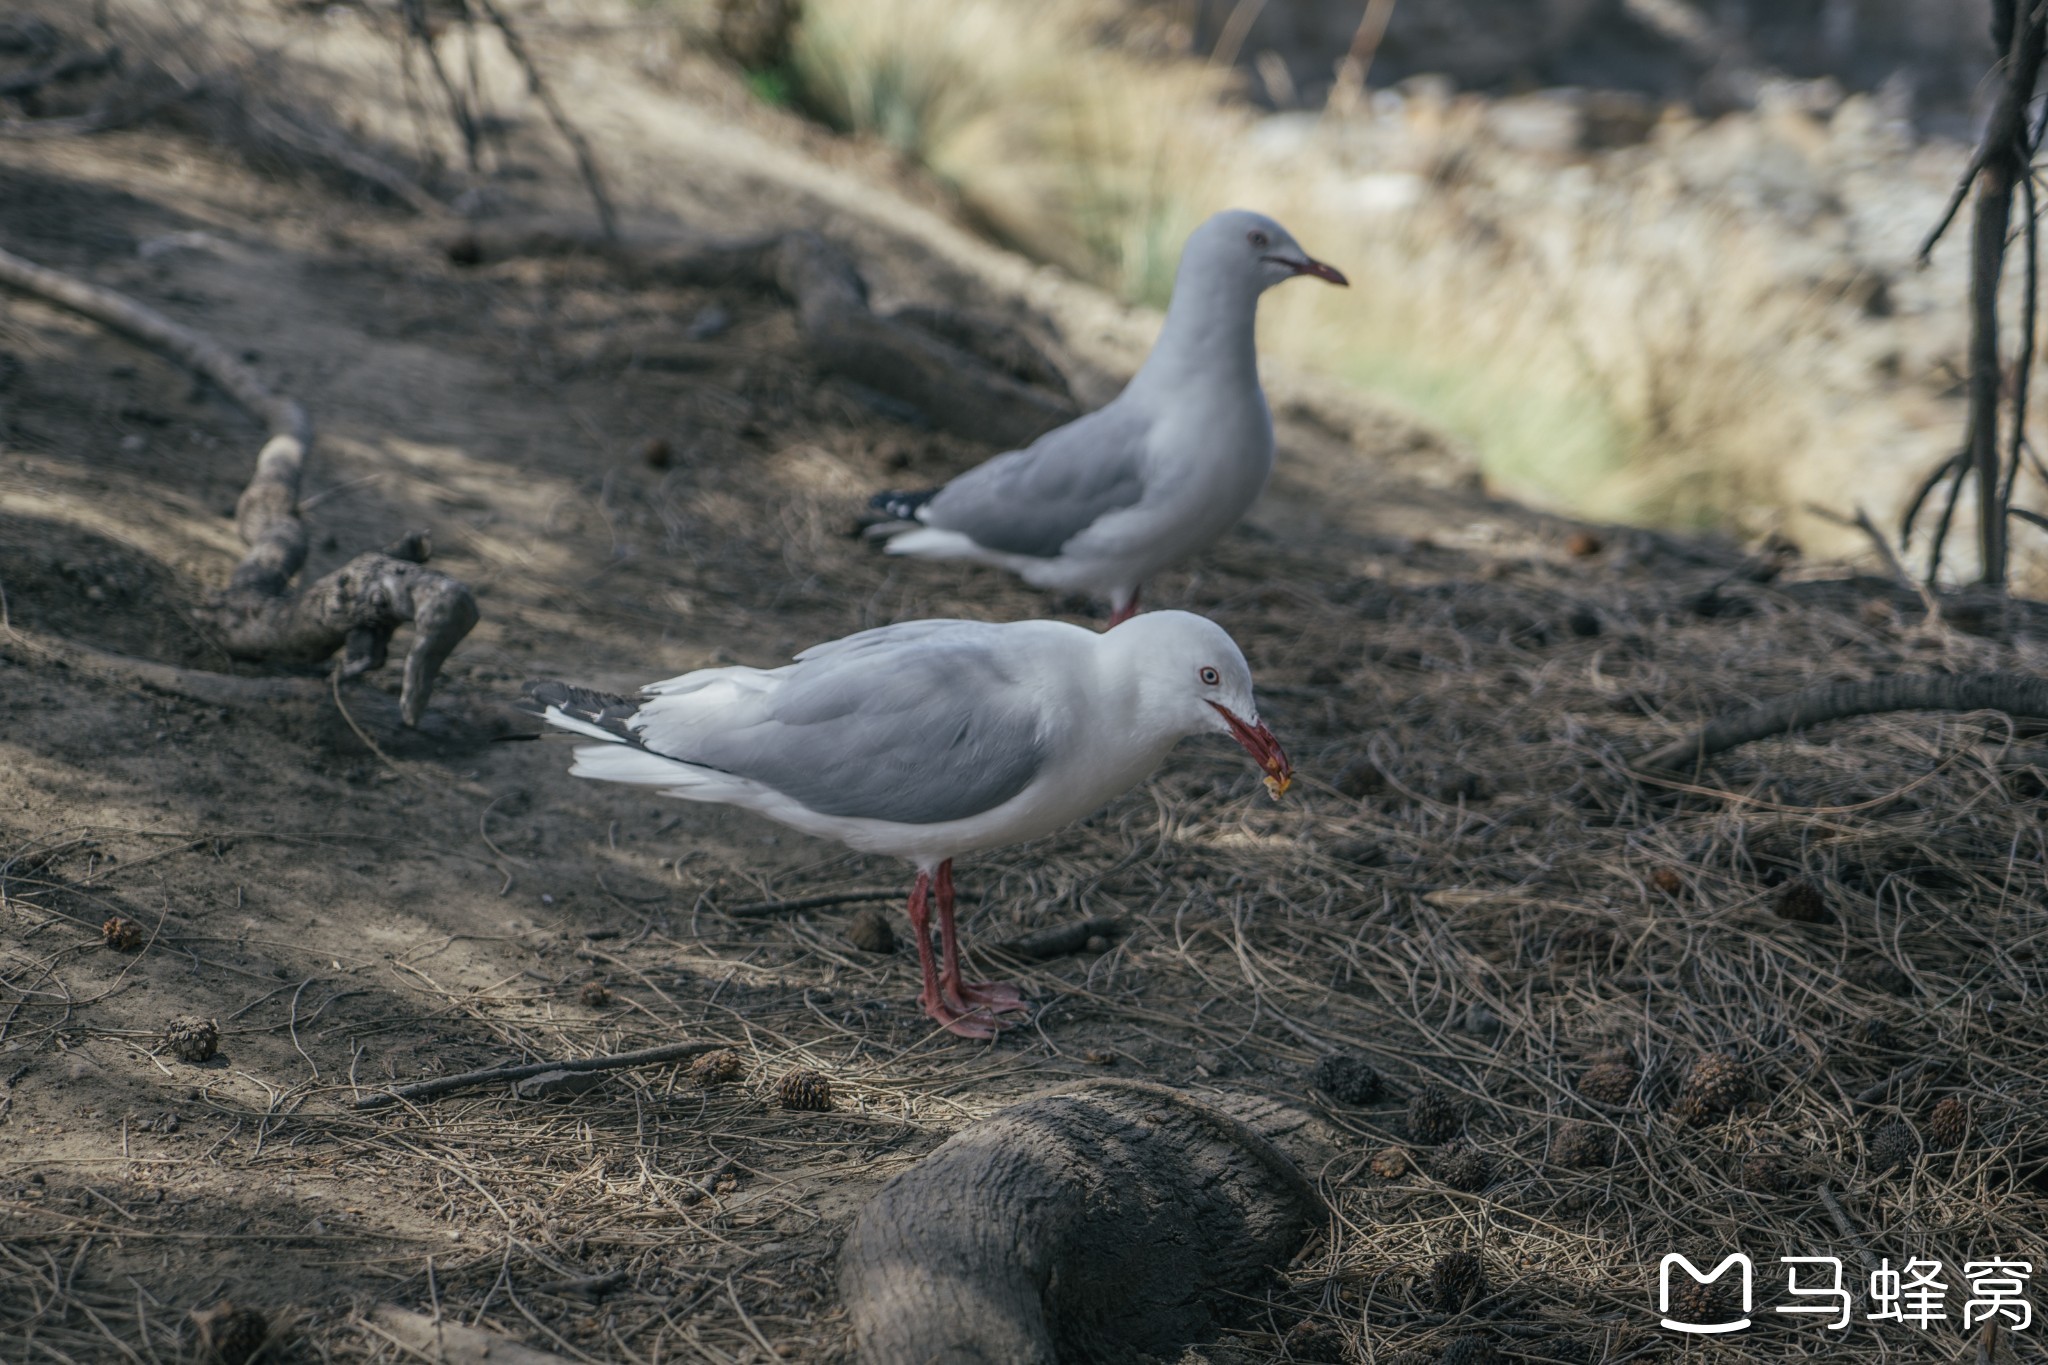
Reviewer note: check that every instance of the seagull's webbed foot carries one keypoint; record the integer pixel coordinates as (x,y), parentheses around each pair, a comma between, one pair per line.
(998,996)
(963,1022)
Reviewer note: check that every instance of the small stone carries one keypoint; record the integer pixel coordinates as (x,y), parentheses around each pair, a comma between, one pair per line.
(1581,544)
(1347,1078)
(1096,944)
(1096,1056)
(595,994)
(1667,880)
(656,453)
(1390,1163)
(191,1038)
(122,935)
(718,1067)
(871,932)
(230,1334)
(804,1090)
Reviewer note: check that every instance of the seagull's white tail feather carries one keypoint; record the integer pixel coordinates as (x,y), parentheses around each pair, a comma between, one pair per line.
(556,716)
(620,762)
(930,542)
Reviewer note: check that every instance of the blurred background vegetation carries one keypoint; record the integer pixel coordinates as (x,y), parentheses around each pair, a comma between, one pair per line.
(1651,259)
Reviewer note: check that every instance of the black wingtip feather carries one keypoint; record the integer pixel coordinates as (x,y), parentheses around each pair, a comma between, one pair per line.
(607,710)
(900,505)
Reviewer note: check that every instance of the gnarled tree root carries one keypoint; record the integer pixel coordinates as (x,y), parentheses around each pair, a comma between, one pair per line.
(358,606)
(1096,1223)
(967,374)
(2013,693)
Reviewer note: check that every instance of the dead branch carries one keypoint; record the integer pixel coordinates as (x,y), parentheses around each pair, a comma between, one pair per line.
(2013,693)
(586,161)
(952,368)
(356,608)
(442,1085)
(758,909)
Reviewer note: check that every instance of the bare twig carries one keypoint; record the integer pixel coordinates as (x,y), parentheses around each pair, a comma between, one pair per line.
(586,160)
(761,909)
(442,1085)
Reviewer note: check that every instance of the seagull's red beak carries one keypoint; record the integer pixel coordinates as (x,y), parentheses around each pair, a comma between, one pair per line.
(1265,750)
(1309,265)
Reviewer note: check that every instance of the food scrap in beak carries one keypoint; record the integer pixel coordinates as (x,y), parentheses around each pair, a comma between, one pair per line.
(1264,747)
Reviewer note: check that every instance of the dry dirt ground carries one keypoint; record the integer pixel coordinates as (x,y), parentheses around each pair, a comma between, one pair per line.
(1468,889)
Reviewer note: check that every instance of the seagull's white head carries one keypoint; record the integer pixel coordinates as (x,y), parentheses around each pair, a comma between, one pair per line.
(1193,678)
(1240,247)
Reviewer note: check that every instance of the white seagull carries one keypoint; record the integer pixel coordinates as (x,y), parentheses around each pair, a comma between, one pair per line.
(1104,502)
(928,740)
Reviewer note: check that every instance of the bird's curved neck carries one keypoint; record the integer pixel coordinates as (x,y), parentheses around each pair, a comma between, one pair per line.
(1208,337)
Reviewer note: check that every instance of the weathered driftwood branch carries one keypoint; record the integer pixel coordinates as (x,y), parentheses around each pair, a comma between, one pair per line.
(462,1080)
(356,608)
(2012,693)
(1099,1223)
(970,375)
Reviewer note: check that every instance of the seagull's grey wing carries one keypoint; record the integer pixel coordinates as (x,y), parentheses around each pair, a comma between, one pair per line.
(941,729)
(1033,501)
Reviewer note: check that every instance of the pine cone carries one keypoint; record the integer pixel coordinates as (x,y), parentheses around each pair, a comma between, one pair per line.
(1433,1116)
(1880,974)
(1583,1144)
(1347,1078)
(1715,1086)
(1692,1301)
(871,932)
(1464,1167)
(1457,1281)
(1391,1163)
(1801,902)
(192,1039)
(716,1068)
(595,994)
(1892,1143)
(1473,1350)
(804,1090)
(1609,1082)
(1763,1173)
(1948,1123)
(229,1333)
(1873,1031)
(122,935)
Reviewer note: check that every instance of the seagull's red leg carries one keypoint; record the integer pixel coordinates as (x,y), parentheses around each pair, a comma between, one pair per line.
(1124,612)
(954,1015)
(986,995)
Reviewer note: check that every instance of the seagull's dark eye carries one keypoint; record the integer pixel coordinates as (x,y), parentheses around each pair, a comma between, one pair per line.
(1210,677)
(1258,239)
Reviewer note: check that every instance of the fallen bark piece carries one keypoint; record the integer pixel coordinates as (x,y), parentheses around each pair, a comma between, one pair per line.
(550,1084)
(451,1343)
(1091,1224)
(1042,945)
(970,375)
(356,608)
(2013,693)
